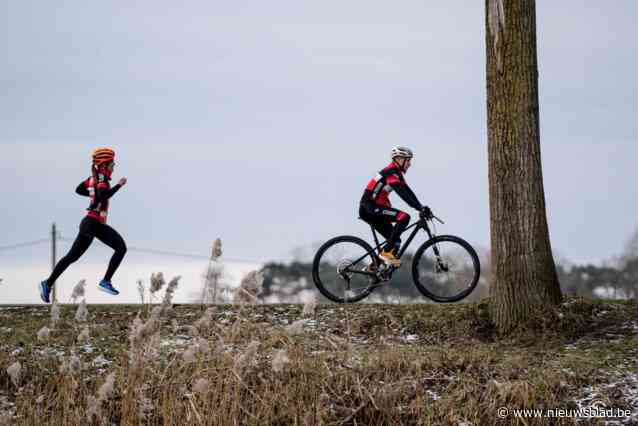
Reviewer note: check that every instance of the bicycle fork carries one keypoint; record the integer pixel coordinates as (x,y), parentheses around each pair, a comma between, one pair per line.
(440,264)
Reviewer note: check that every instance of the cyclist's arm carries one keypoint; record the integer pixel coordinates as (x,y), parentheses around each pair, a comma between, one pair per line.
(405,192)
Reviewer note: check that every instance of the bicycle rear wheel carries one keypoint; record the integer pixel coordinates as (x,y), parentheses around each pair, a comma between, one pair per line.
(446,269)
(343,269)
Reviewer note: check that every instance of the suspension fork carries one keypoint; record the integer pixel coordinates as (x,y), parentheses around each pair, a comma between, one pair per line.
(430,236)
(435,247)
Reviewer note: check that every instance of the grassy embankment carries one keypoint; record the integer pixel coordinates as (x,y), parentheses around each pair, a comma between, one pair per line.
(360,364)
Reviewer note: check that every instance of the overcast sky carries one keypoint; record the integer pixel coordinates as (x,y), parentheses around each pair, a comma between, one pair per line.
(261,122)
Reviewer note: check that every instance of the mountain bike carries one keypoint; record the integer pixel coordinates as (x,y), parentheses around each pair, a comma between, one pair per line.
(445,268)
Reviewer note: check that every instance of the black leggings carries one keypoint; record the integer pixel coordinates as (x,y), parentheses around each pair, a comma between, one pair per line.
(381,219)
(92,228)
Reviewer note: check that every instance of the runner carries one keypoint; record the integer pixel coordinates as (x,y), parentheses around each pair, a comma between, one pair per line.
(98,188)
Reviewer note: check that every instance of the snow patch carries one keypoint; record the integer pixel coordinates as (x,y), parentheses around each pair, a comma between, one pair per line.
(435,396)
(100,361)
(410,338)
(625,384)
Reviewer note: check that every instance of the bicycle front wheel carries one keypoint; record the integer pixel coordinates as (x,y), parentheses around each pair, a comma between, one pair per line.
(446,269)
(343,269)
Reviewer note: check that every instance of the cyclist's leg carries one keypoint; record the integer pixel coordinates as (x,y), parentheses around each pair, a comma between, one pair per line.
(384,227)
(80,245)
(381,218)
(370,213)
(402,220)
(113,239)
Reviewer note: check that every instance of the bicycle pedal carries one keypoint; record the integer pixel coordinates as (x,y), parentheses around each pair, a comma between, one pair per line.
(385,275)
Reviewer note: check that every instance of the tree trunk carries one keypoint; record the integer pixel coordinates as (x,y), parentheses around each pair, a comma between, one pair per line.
(524,280)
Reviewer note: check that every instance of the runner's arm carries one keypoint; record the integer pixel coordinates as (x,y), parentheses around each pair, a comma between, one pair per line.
(104,192)
(82,190)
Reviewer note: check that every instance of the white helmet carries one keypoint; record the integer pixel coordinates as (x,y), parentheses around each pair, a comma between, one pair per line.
(401,151)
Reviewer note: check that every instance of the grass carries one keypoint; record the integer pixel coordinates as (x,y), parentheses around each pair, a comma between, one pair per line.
(359,364)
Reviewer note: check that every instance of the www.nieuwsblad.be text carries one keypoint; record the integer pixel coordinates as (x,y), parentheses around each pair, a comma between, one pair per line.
(584,412)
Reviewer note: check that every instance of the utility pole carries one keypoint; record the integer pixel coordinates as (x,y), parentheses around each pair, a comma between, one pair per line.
(53,246)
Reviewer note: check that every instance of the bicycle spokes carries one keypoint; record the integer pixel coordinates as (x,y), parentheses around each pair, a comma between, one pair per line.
(446,270)
(346,270)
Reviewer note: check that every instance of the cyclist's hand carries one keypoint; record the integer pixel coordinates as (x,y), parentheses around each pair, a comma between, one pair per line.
(426,212)
(122,182)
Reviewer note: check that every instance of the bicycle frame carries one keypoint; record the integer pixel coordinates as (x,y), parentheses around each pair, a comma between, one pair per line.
(420,224)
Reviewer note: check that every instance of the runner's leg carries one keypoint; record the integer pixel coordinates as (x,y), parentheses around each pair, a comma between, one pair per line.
(113,239)
(81,243)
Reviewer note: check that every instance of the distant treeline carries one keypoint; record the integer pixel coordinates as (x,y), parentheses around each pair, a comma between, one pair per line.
(619,282)
(293,282)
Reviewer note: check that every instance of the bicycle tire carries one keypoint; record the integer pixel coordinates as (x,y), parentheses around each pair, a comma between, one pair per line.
(426,290)
(317,266)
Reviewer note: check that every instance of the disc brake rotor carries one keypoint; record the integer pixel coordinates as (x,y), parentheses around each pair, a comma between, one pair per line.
(341,269)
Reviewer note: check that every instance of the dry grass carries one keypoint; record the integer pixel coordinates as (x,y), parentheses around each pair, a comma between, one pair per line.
(360,364)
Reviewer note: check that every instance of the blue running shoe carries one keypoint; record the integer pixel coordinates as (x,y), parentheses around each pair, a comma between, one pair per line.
(107,287)
(45,291)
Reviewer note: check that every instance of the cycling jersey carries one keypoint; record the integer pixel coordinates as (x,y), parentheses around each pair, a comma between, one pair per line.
(99,192)
(387,180)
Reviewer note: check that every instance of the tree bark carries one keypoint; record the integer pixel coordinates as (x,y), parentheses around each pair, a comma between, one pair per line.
(524,281)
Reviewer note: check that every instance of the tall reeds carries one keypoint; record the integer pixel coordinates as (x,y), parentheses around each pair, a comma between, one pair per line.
(82,313)
(78,290)
(212,279)
(249,288)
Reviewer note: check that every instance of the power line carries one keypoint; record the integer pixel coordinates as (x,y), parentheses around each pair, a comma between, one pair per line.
(136,249)
(168,253)
(178,254)
(27,244)
(153,251)
(192,256)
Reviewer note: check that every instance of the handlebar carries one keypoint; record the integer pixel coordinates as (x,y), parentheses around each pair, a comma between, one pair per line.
(439,220)
(433,217)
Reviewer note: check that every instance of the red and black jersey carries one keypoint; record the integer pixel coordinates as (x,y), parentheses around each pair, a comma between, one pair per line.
(387,180)
(99,193)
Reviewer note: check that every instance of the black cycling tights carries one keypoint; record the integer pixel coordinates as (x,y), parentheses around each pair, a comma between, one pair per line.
(381,219)
(91,228)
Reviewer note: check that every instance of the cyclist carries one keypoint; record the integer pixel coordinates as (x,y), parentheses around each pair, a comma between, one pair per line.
(375,207)
(98,188)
